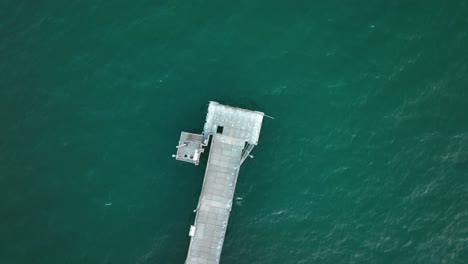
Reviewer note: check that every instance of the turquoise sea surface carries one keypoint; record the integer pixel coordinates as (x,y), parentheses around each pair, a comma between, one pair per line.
(366,160)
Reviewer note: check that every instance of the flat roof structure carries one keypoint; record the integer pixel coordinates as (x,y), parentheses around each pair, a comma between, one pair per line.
(234,133)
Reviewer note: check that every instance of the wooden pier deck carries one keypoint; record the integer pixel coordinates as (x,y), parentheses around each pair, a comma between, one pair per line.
(229,148)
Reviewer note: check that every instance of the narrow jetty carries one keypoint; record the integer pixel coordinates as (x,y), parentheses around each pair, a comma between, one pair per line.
(234,133)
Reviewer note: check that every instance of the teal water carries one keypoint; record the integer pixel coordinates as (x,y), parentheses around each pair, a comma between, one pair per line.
(366,160)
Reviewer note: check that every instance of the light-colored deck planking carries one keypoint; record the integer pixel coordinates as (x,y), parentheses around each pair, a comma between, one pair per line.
(215,200)
(240,133)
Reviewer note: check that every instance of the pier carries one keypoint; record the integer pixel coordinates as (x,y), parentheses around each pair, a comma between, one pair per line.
(234,132)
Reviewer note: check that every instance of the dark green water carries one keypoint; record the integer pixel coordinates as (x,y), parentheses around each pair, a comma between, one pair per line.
(365,162)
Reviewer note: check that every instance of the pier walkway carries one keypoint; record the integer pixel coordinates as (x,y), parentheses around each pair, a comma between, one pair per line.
(234,133)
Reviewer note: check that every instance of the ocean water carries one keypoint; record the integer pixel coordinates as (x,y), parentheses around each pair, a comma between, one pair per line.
(366,160)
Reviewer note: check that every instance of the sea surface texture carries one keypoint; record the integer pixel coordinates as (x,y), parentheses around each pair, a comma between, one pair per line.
(365,161)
